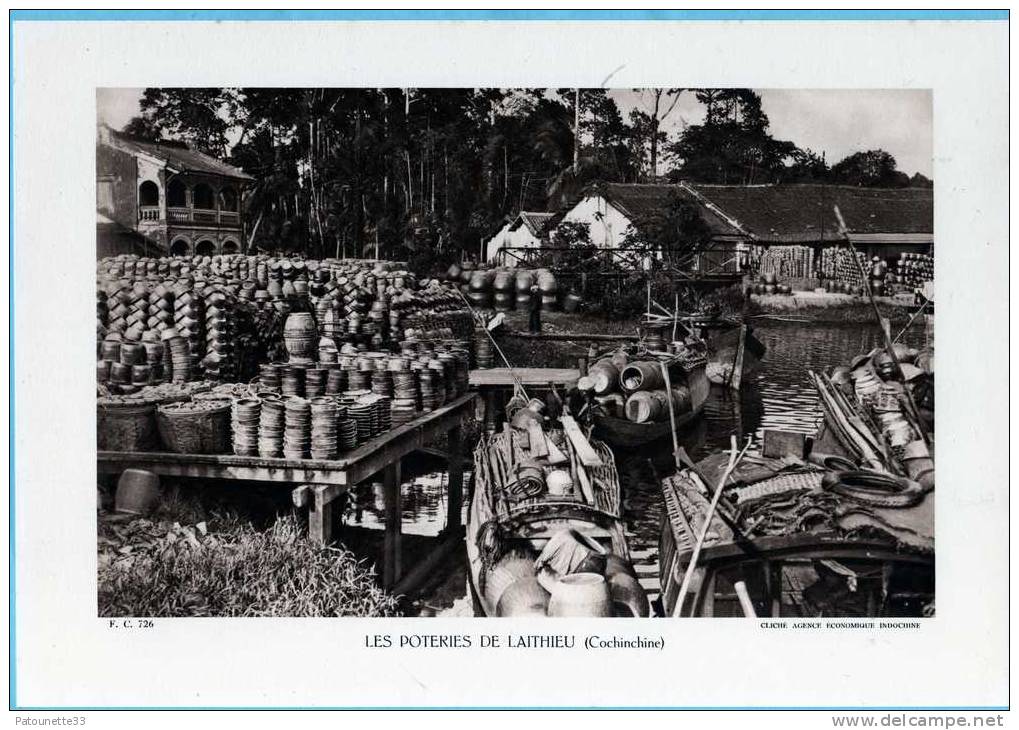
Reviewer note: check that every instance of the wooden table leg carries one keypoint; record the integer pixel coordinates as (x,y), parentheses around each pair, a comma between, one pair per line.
(394,513)
(455,496)
(320,518)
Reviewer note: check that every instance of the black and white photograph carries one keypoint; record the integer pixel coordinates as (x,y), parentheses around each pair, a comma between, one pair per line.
(503,352)
(543,360)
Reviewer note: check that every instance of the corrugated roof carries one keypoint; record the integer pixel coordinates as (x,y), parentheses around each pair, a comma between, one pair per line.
(179,157)
(803,213)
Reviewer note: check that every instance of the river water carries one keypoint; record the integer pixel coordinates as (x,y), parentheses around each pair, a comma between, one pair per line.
(778,396)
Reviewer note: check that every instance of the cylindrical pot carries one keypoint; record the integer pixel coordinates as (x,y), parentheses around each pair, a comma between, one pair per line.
(137,492)
(300,335)
(642,375)
(605,376)
(581,595)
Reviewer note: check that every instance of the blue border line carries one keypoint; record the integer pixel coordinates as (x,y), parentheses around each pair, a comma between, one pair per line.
(547,15)
(446,15)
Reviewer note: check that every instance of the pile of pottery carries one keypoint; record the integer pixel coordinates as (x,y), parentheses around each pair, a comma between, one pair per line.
(769,285)
(244,422)
(634,389)
(505,288)
(219,362)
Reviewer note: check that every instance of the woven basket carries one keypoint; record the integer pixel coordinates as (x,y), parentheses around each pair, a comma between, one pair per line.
(201,431)
(126,427)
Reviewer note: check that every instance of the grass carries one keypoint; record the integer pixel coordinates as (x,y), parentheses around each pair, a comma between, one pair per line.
(228,568)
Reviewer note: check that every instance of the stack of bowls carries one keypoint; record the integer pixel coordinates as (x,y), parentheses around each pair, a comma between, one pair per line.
(297,431)
(336,381)
(270,427)
(382,383)
(315,382)
(359,379)
(361,413)
(383,415)
(323,428)
(292,381)
(269,376)
(244,422)
(427,386)
(347,433)
(180,359)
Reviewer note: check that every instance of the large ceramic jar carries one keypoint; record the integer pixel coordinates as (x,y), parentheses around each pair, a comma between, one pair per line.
(300,336)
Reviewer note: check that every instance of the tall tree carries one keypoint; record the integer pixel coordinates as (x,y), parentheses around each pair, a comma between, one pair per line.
(873,168)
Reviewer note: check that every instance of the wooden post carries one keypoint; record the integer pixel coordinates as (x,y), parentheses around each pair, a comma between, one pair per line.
(320,519)
(394,513)
(454,501)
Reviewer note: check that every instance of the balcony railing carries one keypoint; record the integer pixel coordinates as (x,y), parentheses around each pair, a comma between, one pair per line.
(199,215)
(148,213)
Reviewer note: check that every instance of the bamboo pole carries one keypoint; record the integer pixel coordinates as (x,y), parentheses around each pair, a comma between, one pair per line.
(734,459)
(672,415)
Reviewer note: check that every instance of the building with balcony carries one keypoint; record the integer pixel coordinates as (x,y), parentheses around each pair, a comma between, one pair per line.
(179,200)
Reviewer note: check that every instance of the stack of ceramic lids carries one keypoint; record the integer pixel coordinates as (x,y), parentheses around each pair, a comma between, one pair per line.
(439,369)
(359,379)
(382,419)
(403,410)
(336,381)
(297,431)
(484,354)
(382,383)
(323,428)
(405,387)
(361,413)
(315,382)
(346,427)
(270,427)
(291,380)
(269,376)
(180,356)
(427,386)
(244,421)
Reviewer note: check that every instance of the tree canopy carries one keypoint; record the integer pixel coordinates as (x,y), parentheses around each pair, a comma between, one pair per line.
(399,171)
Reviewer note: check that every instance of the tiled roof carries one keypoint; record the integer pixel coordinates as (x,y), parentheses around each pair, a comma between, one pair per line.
(804,213)
(639,201)
(179,157)
(535,222)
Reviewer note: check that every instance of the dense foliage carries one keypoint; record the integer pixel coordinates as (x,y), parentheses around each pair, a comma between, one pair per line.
(430,173)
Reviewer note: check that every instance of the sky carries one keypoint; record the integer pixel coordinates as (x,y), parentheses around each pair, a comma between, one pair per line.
(836,122)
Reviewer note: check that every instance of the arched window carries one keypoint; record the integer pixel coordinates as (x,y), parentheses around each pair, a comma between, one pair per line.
(179,247)
(176,194)
(229,246)
(203,197)
(148,193)
(205,247)
(228,199)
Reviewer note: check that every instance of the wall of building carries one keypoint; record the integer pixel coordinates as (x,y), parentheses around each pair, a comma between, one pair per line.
(505,238)
(116,185)
(607,225)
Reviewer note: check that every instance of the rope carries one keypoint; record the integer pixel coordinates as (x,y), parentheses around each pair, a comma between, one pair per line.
(517,384)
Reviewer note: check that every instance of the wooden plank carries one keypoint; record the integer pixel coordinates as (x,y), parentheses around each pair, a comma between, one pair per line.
(527,376)
(569,336)
(536,440)
(394,525)
(301,496)
(181,465)
(555,454)
(454,498)
(585,452)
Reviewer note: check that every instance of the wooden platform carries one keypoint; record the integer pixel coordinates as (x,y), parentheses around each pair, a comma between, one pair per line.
(321,482)
(503,377)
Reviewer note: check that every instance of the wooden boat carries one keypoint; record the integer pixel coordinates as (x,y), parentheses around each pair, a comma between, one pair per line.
(735,354)
(622,433)
(803,553)
(510,534)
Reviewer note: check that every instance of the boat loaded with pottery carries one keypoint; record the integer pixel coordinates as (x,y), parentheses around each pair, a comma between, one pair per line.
(635,391)
(544,532)
(838,525)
